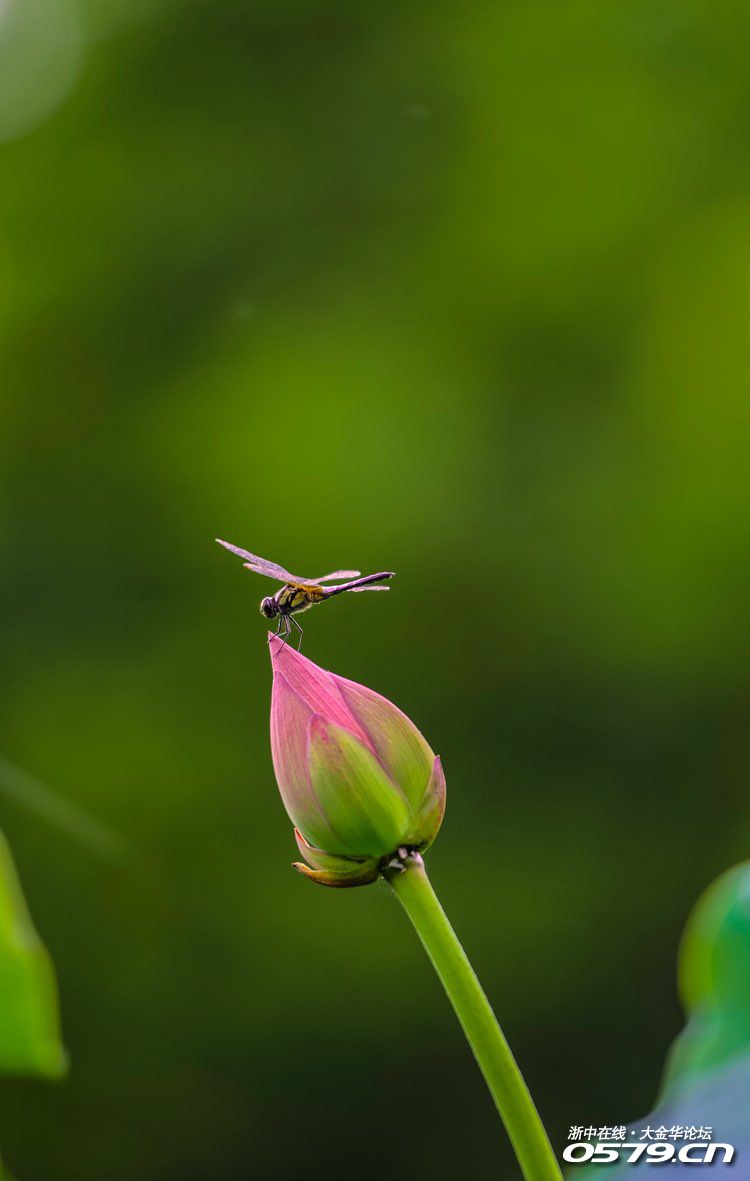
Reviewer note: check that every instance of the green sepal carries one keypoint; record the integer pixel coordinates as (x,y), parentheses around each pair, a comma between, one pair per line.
(319,859)
(363,875)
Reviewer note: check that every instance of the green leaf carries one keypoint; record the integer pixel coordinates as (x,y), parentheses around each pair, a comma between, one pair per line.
(30,1040)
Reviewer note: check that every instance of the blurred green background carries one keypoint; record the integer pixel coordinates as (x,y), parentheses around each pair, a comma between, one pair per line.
(459,292)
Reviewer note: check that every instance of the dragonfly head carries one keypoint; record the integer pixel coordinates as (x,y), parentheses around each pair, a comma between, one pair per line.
(269,607)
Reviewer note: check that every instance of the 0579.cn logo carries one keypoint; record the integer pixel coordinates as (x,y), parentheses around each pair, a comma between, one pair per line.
(654,1146)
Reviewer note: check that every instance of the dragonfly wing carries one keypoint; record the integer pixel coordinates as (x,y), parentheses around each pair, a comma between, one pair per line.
(337,574)
(355,590)
(260,565)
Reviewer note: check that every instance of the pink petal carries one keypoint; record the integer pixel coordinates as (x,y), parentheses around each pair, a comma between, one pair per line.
(426,824)
(290,717)
(316,687)
(393,737)
(367,812)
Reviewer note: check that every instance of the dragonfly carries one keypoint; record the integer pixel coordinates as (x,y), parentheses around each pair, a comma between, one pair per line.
(300,594)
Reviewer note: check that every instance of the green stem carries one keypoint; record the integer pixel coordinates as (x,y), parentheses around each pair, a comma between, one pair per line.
(407,876)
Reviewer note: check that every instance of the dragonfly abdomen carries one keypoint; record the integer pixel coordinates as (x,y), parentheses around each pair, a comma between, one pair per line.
(358,583)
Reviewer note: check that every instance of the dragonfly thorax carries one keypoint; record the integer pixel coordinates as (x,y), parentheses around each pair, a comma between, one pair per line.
(269,607)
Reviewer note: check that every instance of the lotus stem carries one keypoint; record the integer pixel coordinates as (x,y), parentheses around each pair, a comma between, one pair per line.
(408,879)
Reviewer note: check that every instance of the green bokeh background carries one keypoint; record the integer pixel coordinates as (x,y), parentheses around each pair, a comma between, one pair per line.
(456,291)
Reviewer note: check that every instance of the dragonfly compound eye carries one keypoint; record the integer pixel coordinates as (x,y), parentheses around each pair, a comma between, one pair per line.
(269,608)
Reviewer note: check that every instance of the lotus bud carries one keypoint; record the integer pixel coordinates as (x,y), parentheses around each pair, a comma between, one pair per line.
(357,778)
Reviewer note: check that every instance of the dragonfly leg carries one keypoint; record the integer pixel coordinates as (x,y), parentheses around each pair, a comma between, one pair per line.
(287,630)
(299,629)
(282,631)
